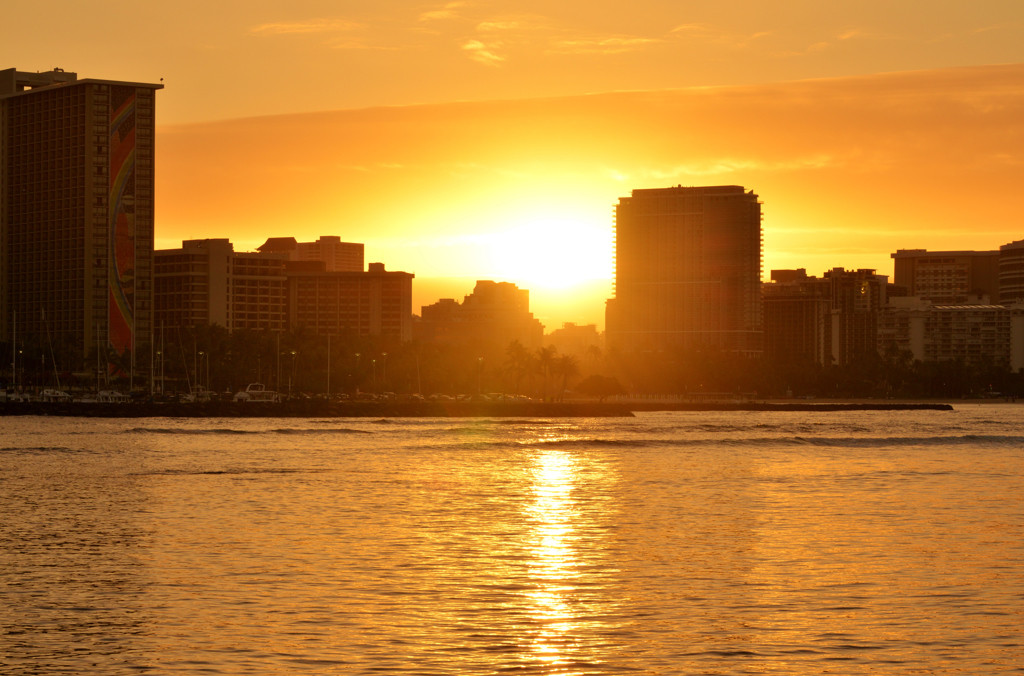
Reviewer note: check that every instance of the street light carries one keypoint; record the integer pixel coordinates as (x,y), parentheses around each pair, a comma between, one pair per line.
(357,371)
(374,373)
(479,373)
(290,377)
(384,370)
(199,376)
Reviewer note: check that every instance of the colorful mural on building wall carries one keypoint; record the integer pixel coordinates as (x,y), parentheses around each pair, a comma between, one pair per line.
(122,218)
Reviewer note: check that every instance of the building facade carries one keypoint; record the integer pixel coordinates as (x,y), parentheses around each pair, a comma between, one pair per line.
(968,333)
(948,277)
(76,211)
(1011,272)
(796,309)
(372,303)
(207,282)
(687,271)
(832,319)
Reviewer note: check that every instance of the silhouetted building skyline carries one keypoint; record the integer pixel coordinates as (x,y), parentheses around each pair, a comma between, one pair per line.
(496,313)
(76,209)
(207,282)
(687,270)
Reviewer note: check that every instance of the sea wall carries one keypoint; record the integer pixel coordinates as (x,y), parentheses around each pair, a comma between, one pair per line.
(323,409)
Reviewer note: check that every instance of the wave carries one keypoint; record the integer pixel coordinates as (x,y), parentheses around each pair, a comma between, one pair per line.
(795,441)
(340,430)
(180,430)
(35,449)
(228,472)
(231,432)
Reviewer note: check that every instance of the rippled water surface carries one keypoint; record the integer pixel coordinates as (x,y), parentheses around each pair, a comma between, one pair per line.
(729,543)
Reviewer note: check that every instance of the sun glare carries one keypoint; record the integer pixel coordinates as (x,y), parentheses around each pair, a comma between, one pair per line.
(553,253)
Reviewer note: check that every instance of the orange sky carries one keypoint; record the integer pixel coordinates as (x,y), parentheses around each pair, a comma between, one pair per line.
(491,139)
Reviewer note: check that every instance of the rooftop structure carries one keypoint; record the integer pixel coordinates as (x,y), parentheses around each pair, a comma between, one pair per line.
(338,256)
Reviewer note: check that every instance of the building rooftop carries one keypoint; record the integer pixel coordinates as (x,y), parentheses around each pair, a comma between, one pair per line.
(14,82)
(917,253)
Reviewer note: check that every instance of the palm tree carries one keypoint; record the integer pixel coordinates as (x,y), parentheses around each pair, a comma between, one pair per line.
(517,362)
(568,367)
(545,359)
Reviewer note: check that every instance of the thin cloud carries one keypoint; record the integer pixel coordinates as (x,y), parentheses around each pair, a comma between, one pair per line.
(482,53)
(604,45)
(305,27)
(710,35)
(448,11)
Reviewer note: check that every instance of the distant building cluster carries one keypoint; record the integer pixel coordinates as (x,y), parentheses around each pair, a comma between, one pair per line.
(943,306)
(77,261)
(207,282)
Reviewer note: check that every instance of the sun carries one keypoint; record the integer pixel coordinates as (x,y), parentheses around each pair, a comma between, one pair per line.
(552,252)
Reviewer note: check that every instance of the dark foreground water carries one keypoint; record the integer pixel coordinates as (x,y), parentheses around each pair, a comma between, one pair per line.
(795,543)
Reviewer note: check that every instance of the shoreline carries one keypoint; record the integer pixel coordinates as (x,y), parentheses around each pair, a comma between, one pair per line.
(323,409)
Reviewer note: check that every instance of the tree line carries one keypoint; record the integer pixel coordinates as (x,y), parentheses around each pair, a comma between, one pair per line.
(301,361)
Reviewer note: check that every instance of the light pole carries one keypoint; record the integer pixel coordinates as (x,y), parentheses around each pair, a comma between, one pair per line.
(160,361)
(199,375)
(479,373)
(357,371)
(384,371)
(290,377)
(374,361)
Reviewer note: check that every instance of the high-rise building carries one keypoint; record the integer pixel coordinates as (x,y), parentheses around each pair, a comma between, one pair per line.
(832,319)
(338,256)
(687,270)
(857,296)
(797,308)
(947,277)
(76,211)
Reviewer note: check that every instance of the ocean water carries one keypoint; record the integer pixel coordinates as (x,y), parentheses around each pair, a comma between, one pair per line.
(669,543)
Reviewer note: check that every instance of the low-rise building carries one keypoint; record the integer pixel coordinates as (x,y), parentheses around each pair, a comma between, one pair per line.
(371,303)
(970,332)
(207,282)
(496,313)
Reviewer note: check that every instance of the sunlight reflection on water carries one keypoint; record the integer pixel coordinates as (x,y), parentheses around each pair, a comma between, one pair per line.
(672,543)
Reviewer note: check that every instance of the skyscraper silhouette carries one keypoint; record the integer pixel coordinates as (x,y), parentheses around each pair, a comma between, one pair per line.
(76,210)
(687,270)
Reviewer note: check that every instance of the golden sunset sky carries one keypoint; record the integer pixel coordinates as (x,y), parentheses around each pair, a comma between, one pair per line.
(490,140)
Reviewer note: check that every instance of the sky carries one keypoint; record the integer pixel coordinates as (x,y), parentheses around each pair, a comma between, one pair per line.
(491,140)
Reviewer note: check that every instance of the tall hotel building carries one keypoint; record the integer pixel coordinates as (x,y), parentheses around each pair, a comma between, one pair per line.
(687,270)
(76,210)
